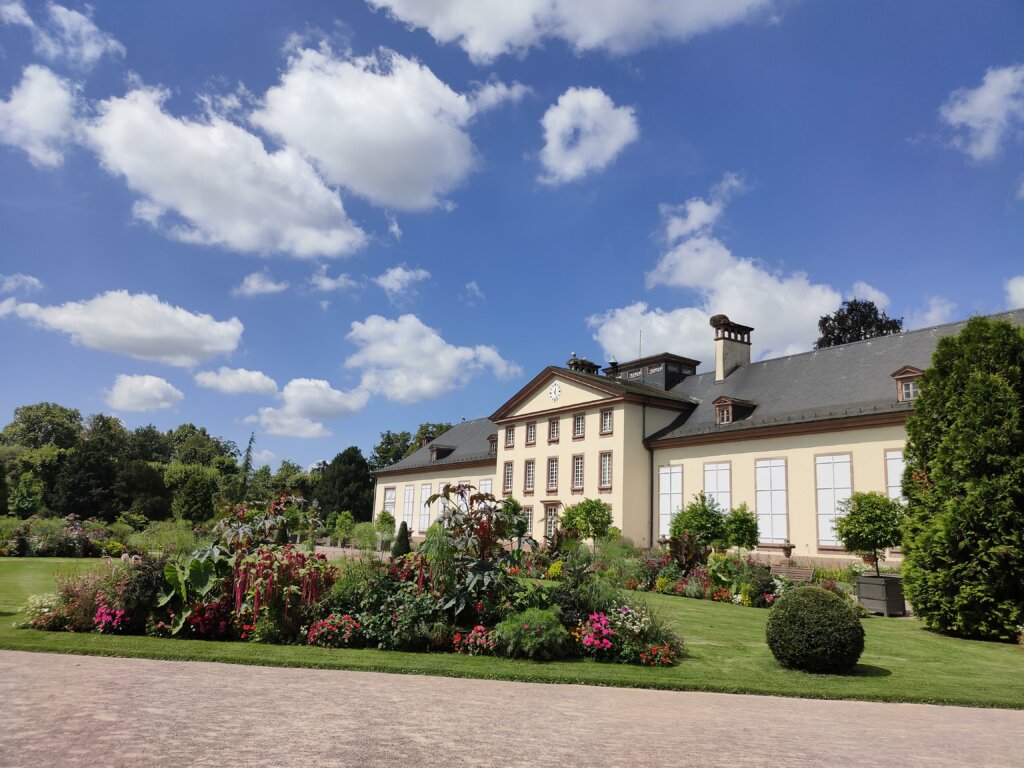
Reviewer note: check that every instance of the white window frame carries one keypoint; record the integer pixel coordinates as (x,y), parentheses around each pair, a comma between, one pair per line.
(577,472)
(772,500)
(550,519)
(425,494)
(579,425)
(528,513)
(407,505)
(607,421)
(670,495)
(604,470)
(486,486)
(507,476)
(531,433)
(390,500)
(833,484)
(529,475)
(510,436)
(553,429)
(552,473)
(718,483)
(911,389)
(895,463)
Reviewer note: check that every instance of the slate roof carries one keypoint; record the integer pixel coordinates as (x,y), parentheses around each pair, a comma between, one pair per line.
(628,387)
(468,438)
(845,381)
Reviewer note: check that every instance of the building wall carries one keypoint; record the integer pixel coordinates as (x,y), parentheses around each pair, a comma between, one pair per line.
(437,478)
(866,447)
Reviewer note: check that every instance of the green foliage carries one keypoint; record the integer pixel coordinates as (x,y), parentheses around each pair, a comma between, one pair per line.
(533,634)
(814,630)
(871,522)
(964,485)
(440,552)
(3,492)
(26,498)
(704,520)
(174,537)
(42,424)
(402,546)
(345,483)
(392,447)
(344,524)
(855,320)
(589,519)
(140,490)
(427,432)
(398,617)
(193,501)
(384,524)
(364,536)
(741,527)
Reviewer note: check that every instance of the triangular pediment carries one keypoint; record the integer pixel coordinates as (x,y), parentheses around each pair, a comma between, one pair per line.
(554,389)
(907,372)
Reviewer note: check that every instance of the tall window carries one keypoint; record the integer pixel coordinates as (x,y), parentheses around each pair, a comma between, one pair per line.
(607,421)
(529,475)
(718,483)
(486,486)
(462,500)
(424,507)
(506,484)
(894,474)
(577,472)
(528,514)
(389,500)
(579,425)
(834,483)
(770,478)
(552,474)
(550,519)
(670,496)
(552,430)
(510,437)
(605,473)
(531,433)
(407,504)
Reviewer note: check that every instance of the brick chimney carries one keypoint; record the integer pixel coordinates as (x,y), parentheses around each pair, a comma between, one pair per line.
(732,346)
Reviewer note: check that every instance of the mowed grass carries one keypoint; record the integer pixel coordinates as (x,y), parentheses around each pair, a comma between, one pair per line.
(725,644)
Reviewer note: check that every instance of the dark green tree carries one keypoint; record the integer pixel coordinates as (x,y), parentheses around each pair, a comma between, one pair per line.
(703,519)
(855,320)
(588,519)
(741,527)
(140,488)
(3,491)
(150,444)
(107,436)
(392,447)
(964,485)
(193,501)
(85,485)
(43,424)
(402,545)
(427,431)
(345,483)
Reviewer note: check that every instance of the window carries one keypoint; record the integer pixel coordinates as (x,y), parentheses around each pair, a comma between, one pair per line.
(462,500)
(605,474)
(670,496)
(528,514)
(389,501)
(607,421)
(655,368)
(492,446)
(410,498)
(552,430)
(506,484)
(634,374)
(550,519)
(718,483)
(552,474)
(911,389)
(772,522)
(529,475)
(577,472)
(834,483)
(510,437)
(424,507)
(579,425)
(486,486)
(723,414)
(894,474)
(531,433)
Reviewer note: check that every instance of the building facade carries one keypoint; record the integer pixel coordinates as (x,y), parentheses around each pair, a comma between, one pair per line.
(791,437)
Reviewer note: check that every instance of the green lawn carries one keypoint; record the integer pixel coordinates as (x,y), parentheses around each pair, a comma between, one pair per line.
(726,652)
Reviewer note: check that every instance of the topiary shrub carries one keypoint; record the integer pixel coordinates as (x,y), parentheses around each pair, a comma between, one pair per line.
(401,547)
(814,630)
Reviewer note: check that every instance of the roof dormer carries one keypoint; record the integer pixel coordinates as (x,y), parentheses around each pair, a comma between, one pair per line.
(907,383)
(438,452)
(730,409)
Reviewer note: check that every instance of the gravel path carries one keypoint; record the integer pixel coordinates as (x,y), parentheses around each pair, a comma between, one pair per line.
(92,711)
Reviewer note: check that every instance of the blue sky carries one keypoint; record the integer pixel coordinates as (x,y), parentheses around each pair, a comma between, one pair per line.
(318,221)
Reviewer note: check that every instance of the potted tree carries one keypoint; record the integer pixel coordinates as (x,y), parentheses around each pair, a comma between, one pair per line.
(870,524)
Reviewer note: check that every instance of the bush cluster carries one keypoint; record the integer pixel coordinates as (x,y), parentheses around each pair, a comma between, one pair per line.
(814,630)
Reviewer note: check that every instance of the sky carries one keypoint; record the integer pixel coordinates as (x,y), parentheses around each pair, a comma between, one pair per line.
(317,221)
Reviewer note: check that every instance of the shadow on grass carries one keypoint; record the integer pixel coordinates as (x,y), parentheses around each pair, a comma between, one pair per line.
(867,670)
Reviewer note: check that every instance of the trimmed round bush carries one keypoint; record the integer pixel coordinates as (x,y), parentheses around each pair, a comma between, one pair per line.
(814,630)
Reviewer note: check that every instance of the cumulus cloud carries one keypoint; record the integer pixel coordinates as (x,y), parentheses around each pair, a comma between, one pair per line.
(397,282)
(583,132)
(1014,292)
(139,325)
(697,214)
(984,117)
(19,282)
(306,402)
(39,116)
(862,290)
(237,381)
(486,29)
(259,284)
(143,393)
(64,34)
(473,294)
(210,182)
(264,457)
(407,361)
(382,126)
(321,281)
(937,310)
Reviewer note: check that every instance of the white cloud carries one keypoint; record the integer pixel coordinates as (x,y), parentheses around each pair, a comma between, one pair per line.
(383,126)
(985,116)
(583,132)
(305,403)
(19,282)
(237,381)
(494,93)
(39,116)
(697,214)
(862,290)
(264,457)
(322,282)
(1014,292)
(143,393)
(398,281)
(65,34)
(211,182)
(406,361)
(939,310)
(393,229)
(486,29)
(259,284)
(138,325)
(473,293)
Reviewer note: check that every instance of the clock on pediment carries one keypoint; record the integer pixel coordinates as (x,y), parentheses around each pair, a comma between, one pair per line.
(554,392)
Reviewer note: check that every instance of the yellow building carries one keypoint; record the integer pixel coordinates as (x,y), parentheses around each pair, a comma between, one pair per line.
(791,437)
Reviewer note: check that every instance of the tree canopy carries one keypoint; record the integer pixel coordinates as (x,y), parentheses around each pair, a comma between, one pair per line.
(42,424)
(345,483)
(855,320)
(395,446)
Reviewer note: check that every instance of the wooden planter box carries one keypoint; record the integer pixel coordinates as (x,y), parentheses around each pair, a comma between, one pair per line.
(882,594)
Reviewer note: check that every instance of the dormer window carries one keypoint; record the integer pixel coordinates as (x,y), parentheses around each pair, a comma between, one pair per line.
(723,414)
(908,385)
(911,389)
(438,452)
(492,447)
(731,409)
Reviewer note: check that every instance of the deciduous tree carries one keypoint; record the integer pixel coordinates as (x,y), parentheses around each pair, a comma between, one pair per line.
(855,320)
